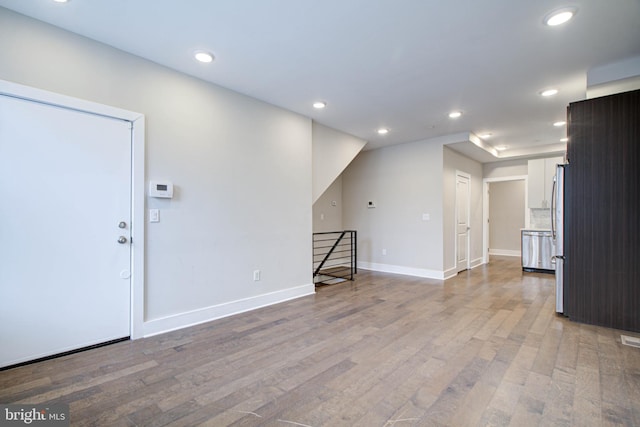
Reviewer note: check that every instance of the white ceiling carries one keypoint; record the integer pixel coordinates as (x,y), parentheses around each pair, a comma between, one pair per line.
(400,64)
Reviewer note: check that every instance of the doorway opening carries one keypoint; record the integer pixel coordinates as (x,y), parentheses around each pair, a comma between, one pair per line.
(505,213)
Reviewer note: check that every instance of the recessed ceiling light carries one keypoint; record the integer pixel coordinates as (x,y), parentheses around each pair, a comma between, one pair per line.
(549,92)
(202,56)
(60,1)
(486,135)
(560,16)
(319,105)
(501,147)
(455,114)
(383,131)
(560,123)
(564,139)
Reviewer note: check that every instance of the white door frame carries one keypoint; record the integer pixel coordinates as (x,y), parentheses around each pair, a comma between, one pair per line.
(485,208)
(455,243)
(137,180)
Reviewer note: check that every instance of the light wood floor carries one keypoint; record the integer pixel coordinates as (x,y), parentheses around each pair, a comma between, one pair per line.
(484,348)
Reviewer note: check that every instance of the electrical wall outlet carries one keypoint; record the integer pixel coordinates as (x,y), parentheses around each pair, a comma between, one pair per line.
(256,275)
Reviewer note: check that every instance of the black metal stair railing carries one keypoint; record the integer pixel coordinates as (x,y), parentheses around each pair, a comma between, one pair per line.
(334,256)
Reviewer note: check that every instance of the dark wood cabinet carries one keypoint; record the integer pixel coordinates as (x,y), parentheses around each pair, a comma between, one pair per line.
(602,212)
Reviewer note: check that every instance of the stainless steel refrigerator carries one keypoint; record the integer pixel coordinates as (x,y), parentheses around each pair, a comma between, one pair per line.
(557,231)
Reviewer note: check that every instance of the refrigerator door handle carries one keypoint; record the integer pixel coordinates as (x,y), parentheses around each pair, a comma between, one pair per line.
(553,208)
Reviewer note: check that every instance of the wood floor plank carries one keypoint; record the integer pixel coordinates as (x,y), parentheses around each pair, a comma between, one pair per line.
(493,324)
(504,401)
(521,366)
(483,348)
(476,400)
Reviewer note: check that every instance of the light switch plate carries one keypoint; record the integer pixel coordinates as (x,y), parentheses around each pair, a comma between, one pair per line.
(154,215)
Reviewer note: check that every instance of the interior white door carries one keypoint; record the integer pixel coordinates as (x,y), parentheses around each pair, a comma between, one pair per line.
(65,193)
(462,221)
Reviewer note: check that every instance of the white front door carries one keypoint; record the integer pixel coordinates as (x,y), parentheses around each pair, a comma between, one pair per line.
(65,201)
(462,221)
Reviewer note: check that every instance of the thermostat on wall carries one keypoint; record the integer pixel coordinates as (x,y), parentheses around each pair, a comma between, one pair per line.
(161,189)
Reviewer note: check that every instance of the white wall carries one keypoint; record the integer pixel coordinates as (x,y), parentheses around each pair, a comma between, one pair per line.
(505,168)
(327,210)
(614,71)
(332,152)
(453,162)
(616,77)
(242,171)
(404,181)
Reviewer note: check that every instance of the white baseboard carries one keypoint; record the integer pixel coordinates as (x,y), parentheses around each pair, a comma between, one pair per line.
(398,269)
(451,272)
(504,252)
(476,262)
(207,314)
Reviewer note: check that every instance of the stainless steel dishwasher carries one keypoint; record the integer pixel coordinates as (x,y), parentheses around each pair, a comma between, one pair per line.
(537,251)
